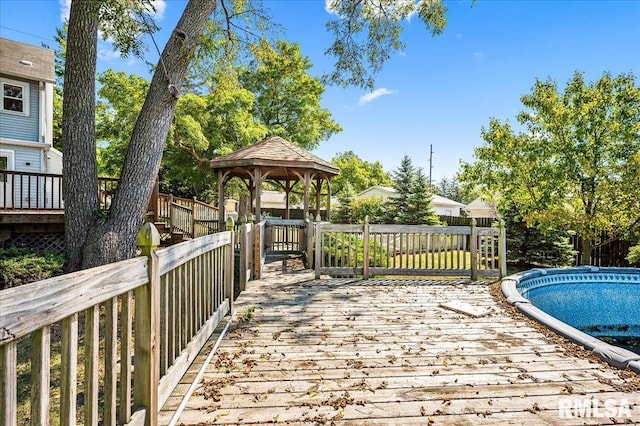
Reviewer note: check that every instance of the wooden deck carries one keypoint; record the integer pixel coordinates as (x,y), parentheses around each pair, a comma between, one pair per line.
(340,351)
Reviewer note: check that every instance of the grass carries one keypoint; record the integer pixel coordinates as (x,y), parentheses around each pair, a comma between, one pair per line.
(19,266)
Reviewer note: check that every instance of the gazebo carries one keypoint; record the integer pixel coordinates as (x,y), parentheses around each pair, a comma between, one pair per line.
(275,160)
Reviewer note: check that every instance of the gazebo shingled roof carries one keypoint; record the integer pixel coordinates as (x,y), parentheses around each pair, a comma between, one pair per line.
(274,153)
(275,159)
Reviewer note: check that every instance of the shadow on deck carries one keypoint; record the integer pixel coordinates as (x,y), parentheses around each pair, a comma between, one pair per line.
(380,351)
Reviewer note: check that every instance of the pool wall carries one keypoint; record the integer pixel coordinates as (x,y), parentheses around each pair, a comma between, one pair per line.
(515,286)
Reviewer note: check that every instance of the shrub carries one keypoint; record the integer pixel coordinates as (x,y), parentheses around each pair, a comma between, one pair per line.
(20,266)
(347,250)
(634,255)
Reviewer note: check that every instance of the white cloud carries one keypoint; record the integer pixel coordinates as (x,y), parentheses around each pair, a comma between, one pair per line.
(375,94)
(160,6)
(65,7)
(479,55)
(329,6)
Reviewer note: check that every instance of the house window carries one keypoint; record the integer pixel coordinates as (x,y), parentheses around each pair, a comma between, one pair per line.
(15,97)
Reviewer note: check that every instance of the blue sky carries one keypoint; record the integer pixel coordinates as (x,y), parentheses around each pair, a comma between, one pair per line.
(439,90)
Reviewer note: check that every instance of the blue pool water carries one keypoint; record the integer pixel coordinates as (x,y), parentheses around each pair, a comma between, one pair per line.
(602,302)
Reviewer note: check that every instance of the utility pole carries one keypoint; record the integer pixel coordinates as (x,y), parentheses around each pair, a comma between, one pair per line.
(430,164)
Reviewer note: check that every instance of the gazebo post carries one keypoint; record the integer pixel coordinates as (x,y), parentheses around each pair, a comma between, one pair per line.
(221,218)
(318,191)
(328,198)
(257,182)
(307,183)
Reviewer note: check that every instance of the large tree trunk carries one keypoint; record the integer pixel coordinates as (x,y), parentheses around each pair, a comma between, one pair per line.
(585,251)
(115,239)
(78,129)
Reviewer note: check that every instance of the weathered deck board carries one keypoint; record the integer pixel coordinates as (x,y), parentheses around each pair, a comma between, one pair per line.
(384,352)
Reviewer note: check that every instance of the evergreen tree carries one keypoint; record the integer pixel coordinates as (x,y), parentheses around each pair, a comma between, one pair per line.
(419,210)
(403,178)
(345,212)
(528,245)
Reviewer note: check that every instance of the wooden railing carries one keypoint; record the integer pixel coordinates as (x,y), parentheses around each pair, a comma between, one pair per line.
(417,250)
(42,191)
(285,235)
(191,217)
(126,332)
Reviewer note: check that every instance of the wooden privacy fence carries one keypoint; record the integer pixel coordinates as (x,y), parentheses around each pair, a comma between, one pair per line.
(417,250)
(126,332)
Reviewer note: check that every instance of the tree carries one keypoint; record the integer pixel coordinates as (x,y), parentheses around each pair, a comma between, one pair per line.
(92,241)
(367,33)
(527,245)
(89,240)
(121,97)
(359,173)
(573,167)
(374,207)
(419,210)
(287,98)
(346,198)
(404,184)
(453,190)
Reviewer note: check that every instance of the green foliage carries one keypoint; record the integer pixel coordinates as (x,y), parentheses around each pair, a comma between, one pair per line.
(125,22)
(454,190)
(374,207)
(20,266)
(419,210)
(575,166)
(360,174)
(368,33)
(347,250)
(344,214)
(634,255)
(527,245)
(121,96)
(403,182)
(287,98)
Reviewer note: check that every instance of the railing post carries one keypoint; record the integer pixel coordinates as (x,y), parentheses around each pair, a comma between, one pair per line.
(257,250)
(8,383)
(309,240)
(153,201)
(502,249)
(147,327)
(365,249)
(318,253)
(170,212)
(194,211)
(473,247)
(229,259)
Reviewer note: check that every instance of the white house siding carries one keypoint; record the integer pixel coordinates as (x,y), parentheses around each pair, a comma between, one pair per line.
(19,127)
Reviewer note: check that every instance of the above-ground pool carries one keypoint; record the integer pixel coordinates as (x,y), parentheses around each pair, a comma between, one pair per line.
(588,305)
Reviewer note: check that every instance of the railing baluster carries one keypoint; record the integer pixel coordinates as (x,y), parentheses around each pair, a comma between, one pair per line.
(126,330)
(40,375)
(8,383)
(110,361)
(91,346)
(69,360)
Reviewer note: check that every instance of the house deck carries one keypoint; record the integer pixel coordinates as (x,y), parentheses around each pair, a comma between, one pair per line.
(392,352)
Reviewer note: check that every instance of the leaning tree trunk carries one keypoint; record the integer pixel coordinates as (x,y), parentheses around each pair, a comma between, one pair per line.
(115,239)
(78,130)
